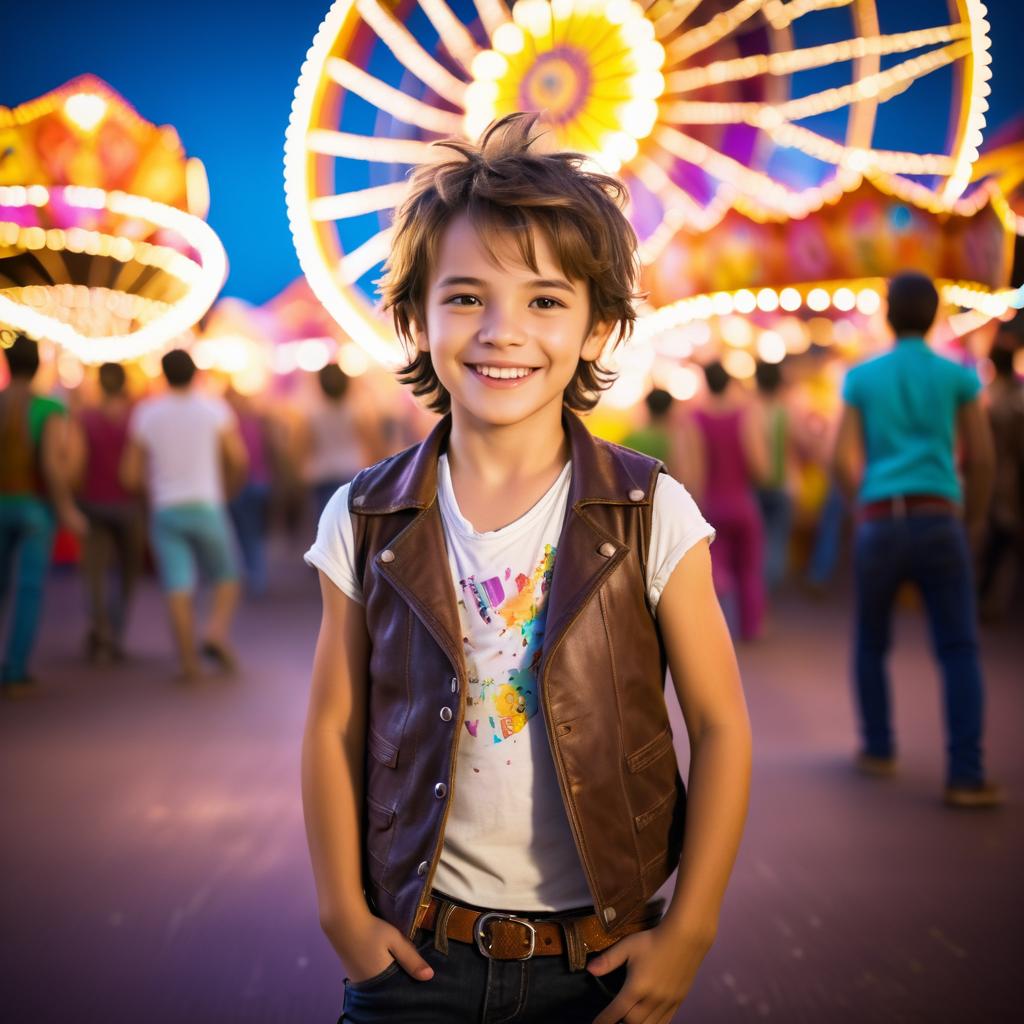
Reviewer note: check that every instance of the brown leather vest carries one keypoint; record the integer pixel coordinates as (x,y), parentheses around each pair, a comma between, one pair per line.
(601,680)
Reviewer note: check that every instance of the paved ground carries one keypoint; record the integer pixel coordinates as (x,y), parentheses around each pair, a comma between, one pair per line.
(153,863)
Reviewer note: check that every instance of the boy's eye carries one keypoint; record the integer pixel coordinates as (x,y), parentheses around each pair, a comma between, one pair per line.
(461,300)
(546,302)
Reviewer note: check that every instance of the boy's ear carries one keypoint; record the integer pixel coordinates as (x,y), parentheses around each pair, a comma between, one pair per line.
(595,341)
(419,336)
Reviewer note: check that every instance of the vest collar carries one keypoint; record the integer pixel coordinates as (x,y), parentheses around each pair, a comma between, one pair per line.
(597,476)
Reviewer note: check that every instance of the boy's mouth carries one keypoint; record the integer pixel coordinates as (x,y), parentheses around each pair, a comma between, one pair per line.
(507,375)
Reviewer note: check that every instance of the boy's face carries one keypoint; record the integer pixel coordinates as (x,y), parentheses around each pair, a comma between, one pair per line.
(504,341)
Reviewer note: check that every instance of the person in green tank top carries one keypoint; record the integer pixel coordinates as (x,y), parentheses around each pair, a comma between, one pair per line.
(653,439)
(34,485)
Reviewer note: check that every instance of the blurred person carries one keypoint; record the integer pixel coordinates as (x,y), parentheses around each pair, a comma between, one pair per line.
(728,459)
(35,495)
(1001,549)
(654,438)
(250,506)
(182,445)
(116,532)
(903,414)
(774,494)
(335,442)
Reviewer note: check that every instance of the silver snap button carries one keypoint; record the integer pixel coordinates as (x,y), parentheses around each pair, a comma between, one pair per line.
(423,868)
(607,549)
(455,684)
(359,500)
(440,791)
(446,714)
(636,495)
(387,555)
(609,914)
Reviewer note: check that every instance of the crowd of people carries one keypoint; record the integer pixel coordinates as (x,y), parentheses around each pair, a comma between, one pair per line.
(192,479)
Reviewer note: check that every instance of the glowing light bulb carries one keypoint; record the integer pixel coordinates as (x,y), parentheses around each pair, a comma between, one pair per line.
(818,300)
(85,110)
(844,300)
(789,299)
(508,38)
(489,66)
(771,347)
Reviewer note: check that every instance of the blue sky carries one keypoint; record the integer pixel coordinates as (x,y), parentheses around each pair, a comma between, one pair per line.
(223,72)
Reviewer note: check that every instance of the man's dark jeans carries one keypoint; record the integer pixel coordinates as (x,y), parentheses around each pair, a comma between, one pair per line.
(468,988)
(930,551)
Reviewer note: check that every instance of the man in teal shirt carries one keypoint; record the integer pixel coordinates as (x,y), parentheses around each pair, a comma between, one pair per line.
(904,413)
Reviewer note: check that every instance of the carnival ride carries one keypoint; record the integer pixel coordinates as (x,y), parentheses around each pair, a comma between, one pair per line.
(103,246)
(755,195)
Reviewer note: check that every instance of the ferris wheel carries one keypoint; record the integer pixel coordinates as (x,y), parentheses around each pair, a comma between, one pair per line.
(695,104)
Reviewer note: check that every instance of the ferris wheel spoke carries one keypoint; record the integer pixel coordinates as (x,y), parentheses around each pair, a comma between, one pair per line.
(883,84)
(454,36)
(723,167)
(357,262)
(352,204)
(657,179)
(391,100)
(789,61)
(493,14)
(706,35)
(781,15)
(860,160)
(666,21)
(401,42)
(364,147)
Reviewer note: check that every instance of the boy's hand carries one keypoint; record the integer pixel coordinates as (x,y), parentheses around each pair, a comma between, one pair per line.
(371,945)
(661,968)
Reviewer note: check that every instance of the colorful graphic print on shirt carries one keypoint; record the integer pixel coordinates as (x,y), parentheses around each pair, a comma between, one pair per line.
(503,621)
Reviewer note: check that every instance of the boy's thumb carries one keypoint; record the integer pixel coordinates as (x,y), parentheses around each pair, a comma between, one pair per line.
(414,964)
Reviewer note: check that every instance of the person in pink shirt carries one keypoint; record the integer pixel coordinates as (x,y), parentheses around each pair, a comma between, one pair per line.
(113,548)
(730,459)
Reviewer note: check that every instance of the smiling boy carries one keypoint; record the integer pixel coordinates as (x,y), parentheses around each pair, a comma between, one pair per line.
(490,786)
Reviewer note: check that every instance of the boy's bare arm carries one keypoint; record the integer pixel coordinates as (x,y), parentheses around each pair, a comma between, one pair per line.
(333,748)
(663,961)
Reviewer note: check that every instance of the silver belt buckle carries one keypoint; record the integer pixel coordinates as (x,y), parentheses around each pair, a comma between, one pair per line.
(478,932)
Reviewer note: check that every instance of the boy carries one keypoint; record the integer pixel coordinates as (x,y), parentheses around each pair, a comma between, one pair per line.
(904,413)
(487,739)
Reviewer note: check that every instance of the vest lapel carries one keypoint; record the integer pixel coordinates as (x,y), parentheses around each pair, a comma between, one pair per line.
(417,566)
(580,567)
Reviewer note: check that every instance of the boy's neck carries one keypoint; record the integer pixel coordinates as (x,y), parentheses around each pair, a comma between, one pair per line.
(496,455)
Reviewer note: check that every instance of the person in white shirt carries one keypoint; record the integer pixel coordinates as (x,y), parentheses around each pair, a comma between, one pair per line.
(181,446)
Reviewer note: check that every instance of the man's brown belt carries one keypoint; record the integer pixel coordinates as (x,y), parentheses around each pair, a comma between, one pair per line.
(501,936)
(908,505)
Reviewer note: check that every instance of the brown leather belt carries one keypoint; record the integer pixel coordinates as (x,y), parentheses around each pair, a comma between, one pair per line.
(501,936)
(908,505)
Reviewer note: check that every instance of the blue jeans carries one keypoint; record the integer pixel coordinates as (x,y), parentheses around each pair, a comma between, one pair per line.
(777,514)
(468,988)
(249,514)
(931,552)
(26,540)
(828,538)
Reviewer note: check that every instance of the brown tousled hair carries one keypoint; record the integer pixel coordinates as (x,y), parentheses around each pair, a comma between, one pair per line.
(506,188)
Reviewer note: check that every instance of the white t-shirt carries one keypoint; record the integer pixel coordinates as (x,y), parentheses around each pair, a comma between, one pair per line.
(507,843)
(180,431)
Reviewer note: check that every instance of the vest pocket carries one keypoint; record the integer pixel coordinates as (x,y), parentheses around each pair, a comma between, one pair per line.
(380,832)
(385,752)
(650,751)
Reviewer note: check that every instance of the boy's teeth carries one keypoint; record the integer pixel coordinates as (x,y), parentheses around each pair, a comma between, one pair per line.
(503,372)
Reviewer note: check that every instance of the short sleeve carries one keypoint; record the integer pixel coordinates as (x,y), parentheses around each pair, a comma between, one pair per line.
(676,527)
(970,385)
(334,548)
(137,423)
(851,390)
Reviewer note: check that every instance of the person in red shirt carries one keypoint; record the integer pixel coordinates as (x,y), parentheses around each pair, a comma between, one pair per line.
(112,553)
